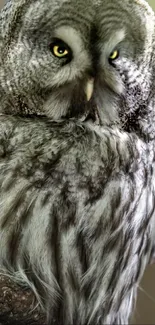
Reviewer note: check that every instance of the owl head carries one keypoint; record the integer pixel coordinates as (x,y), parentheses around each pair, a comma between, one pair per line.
(80,59)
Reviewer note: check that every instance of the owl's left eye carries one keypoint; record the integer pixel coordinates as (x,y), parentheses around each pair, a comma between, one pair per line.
(60,49)
(114,55)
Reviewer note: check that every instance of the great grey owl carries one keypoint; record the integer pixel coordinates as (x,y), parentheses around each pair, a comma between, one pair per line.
(77,129)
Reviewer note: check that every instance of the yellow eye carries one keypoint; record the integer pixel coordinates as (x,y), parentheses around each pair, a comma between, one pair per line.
(114,55)
(60,50)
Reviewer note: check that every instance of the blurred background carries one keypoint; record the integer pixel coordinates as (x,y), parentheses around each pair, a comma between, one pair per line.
(145,310)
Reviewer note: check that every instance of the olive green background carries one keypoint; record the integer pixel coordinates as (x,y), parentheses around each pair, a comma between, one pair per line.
(152,3)
(145,310)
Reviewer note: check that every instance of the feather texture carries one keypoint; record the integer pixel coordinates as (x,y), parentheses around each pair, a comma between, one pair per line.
(77,196)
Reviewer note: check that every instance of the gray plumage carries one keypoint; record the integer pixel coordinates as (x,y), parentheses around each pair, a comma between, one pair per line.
(77,219)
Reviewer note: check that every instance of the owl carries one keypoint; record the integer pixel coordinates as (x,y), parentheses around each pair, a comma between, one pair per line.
(77,132)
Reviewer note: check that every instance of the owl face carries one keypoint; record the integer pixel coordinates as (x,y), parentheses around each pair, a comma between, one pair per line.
(77,59)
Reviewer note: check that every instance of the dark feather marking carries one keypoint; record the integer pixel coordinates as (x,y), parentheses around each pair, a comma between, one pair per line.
(10,183)
(132,212)
(148,245)
(73,279)
(111,243)
(115,204)
(16,234)
(127,257)
(145,223)
(46,198)
(14,206)
(54,242)
(68,208)
(14,243)
(97,187)
(97,231)
(117,269)
(139,268)
(82,249)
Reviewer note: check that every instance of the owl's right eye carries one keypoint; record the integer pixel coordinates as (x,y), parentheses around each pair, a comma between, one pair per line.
(60,50)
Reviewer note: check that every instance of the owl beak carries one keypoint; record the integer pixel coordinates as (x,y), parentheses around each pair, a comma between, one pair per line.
(89,88)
